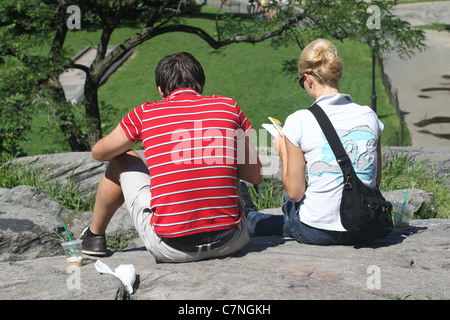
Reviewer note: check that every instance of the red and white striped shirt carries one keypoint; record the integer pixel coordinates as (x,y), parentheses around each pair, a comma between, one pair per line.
(190,147)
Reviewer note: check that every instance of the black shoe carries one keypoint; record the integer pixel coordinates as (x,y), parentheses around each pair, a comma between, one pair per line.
(93,245)
(245,199)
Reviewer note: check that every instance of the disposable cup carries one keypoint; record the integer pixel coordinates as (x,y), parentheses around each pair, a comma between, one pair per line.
(402,220)
(74,258)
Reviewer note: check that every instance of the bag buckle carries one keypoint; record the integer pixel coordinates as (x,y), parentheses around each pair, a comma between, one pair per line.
(347,183)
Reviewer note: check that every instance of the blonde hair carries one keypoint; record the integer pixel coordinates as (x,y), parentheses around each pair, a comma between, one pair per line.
(320,57)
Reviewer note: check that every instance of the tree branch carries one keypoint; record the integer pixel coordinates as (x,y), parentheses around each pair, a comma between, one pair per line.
(154,17)
(147,33)
(81,67)
(216,44)
(61,29)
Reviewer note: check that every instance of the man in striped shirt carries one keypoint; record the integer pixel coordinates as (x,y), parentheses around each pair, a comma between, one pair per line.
(184,198)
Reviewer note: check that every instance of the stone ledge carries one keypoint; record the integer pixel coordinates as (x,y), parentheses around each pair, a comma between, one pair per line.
(410,263)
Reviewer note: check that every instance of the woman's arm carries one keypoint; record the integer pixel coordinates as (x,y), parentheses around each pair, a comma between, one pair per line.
(379,162)
(293,167)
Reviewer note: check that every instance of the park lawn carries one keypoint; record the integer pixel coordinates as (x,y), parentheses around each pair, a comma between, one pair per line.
(251,74)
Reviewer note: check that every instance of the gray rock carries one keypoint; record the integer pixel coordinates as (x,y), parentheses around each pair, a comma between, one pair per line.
(410,263)
(29,223)
(422,201)
(84,170)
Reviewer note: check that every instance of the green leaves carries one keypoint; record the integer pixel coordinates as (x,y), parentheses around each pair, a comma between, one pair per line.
(26,24)
(25,16)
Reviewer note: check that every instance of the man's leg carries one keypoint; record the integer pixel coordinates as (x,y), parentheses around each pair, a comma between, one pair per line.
(108,199)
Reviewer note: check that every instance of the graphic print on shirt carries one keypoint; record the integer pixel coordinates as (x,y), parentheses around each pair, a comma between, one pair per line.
(361,135)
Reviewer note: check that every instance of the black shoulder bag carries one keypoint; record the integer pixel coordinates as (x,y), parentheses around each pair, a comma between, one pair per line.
(363,210)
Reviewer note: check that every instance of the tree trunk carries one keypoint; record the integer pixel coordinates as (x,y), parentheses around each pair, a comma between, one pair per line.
(65,118)
(61,108)
(92,110)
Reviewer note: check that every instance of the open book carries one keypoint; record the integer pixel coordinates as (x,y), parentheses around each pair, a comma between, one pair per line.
(274,128)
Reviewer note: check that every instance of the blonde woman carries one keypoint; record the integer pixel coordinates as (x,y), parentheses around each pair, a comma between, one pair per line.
(311,213)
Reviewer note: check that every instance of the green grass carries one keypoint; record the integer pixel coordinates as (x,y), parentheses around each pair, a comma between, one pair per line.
(268,194)
(435,26)
(402,173)
(251,74)
(13,174)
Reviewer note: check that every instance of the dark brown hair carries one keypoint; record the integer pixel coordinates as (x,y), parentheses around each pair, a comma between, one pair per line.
(178,71)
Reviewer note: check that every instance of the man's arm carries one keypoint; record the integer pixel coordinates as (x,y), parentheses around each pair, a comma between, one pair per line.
(250,170)
(112,145)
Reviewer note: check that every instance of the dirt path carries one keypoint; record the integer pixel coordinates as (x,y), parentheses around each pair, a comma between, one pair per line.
(423,82)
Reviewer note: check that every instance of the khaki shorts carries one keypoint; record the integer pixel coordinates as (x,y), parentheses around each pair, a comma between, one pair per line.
(135,184)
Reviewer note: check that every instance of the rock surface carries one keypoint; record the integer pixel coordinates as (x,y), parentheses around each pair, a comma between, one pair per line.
(409,263)
(28,218)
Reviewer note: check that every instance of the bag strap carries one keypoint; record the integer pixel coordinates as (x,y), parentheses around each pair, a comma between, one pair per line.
(333,139)
(335,143)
